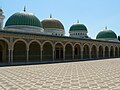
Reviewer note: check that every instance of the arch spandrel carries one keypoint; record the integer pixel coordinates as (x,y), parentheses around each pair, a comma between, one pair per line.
(26,43)
(34,41)
(69,43)
(8,43)
(58,43)
(47,42)
(77,44)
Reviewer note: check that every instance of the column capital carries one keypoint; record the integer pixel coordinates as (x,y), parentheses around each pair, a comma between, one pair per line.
(11,49)
(53,49)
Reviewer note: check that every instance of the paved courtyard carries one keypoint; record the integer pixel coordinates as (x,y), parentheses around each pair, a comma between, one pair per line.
(87,75)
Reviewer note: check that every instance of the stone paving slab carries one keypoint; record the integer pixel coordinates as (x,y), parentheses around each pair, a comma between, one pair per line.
(85,75)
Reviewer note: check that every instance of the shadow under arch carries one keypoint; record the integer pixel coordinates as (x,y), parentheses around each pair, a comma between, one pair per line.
(100,52)
(59,51)
(34,51)
(4,46)
(68,51)
(111,51)
(94,52)
(19,51)
(86,50)
(47,53)
(106,52)
(116,52)
(77,51)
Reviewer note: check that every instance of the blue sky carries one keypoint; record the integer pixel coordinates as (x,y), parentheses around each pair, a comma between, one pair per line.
(95,14)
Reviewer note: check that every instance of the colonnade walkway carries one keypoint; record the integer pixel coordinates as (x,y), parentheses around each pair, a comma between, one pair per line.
(86,75)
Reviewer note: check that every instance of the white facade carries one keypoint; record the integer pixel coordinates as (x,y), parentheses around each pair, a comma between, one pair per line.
(78,34)
(25,28)
(54,31)
(109,39)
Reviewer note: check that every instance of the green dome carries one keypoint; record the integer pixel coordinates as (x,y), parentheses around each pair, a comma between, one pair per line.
(23,18)
(78,27)
(52,23)
(106,34)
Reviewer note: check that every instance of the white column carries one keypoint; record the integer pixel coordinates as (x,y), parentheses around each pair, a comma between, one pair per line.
(63,53)
(53,53)
(109,53)
(41,53)
(90,53)
(114,53)
(81,53)
(27,55)
(9,55)
(73,53)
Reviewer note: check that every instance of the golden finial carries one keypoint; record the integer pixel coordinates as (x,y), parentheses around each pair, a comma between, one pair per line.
(24,9)
(50,15)
(77,21)
(106,28)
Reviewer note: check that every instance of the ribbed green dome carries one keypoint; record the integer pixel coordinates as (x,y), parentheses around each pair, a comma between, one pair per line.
(106,34)
(23,18)
(52,23)
(78,27)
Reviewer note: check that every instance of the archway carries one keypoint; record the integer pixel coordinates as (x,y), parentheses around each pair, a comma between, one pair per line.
(93,52)
(111,51)
(106,52)
(20,52)
(68,52)
(3,51)
(116,52)
(100,52)
(77,52)
(59,51)
(86,52)
(47,52)
(34,52)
